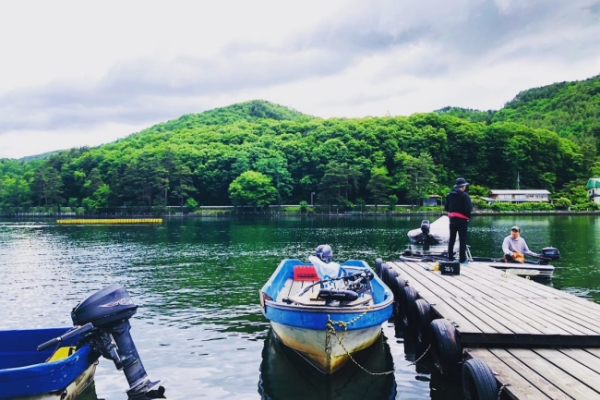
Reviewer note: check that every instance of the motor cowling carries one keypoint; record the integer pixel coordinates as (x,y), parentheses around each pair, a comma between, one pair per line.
(425,228)
(551,253)
(109,311)
(105,308)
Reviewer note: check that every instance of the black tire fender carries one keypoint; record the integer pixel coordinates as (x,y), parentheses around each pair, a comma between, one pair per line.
(445,347)
(410,308)
(400,284)
(378,264)
(423,314)
(383,274)
(478,381)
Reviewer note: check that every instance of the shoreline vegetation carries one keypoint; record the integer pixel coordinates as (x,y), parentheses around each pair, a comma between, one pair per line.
(284,211)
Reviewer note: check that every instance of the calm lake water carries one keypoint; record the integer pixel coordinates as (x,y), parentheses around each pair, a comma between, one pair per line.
(199,325)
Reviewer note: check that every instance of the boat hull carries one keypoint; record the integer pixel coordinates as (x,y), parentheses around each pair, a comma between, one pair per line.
(300,323)
(537,272)
(527,270)
(439,232)
(26,373)
(74,389)
(323,349)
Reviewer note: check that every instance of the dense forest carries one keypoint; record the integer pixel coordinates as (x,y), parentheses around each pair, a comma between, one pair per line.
(258,153)
(572,109)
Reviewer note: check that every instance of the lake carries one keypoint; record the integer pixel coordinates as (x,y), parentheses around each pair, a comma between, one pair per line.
(199,327)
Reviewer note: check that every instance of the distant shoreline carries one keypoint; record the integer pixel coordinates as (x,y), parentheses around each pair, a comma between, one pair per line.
(284,215)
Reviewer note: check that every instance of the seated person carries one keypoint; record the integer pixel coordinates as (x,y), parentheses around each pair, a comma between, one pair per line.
(323,264)
(515,247)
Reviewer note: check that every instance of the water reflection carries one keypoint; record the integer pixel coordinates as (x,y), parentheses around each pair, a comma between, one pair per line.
(284,375)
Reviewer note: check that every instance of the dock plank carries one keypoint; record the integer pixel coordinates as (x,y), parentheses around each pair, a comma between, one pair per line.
(575,368)
(513,283)
(513,308)
(432,280)
(561,379)
(481,323)
(541,316)
(580,314)
(511,322)
(511,313)
(584,356)
(522,382)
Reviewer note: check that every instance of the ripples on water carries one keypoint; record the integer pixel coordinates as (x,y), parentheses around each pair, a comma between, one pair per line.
(199,325)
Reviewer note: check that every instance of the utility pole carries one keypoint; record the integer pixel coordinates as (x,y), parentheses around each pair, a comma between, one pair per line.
(518,180)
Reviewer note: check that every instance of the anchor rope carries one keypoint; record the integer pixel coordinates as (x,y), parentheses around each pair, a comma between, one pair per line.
(420,357)
(330,330)
(501,389)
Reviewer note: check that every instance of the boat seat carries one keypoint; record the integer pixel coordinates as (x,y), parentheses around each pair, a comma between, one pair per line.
(312,299)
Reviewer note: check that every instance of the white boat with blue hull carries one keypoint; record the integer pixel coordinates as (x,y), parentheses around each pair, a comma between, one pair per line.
(326,320)
(540,270)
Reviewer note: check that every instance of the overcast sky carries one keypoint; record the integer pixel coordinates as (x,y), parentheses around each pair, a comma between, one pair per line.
(73,74)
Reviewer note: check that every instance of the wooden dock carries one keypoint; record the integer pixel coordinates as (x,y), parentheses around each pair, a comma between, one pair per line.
(540,342)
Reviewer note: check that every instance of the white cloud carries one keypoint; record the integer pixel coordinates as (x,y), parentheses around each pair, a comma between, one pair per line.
(75,74)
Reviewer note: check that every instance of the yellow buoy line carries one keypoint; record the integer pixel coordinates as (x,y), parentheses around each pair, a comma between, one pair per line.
(111,221)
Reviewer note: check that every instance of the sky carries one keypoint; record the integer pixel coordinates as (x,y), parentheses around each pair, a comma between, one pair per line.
(78,73)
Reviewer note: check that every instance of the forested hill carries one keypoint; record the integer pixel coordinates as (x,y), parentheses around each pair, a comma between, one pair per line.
(572,109)
(260,153)
(248,111)
(569,108)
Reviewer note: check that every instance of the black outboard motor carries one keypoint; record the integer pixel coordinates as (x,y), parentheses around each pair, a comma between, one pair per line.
(550,253)
(103,321)
(425,228)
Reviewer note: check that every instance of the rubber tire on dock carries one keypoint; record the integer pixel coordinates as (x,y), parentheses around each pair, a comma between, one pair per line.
(410,307)
(423,310)
(378,264)
(478,381)
(445,347)
(399,284)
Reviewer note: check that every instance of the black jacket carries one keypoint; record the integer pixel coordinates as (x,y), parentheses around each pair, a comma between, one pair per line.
(459,201)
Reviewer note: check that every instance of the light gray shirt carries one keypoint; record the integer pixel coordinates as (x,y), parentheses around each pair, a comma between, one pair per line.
(519,245)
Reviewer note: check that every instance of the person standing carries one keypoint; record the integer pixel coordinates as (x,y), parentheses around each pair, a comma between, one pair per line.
(459,207)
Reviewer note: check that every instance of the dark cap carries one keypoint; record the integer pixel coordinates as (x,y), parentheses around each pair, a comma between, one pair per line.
(515,228)
(461,182)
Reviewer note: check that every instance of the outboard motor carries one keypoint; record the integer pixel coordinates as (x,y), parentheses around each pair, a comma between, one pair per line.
(425,228)
(103,321)
(551,253)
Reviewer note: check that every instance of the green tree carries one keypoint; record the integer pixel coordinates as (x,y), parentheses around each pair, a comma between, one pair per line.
(417,176)
(47,186)
(182,184)
(277,169)
(252,188)
(379,185)
(333,184)
(14,192)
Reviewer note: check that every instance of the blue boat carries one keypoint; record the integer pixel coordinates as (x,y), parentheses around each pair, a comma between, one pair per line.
(326,317)
(57,373)
(59,363)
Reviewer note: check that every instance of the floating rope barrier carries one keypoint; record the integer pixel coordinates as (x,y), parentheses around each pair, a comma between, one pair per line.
(110,221)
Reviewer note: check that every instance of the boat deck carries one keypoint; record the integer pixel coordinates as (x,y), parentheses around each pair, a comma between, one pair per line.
(292,288)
